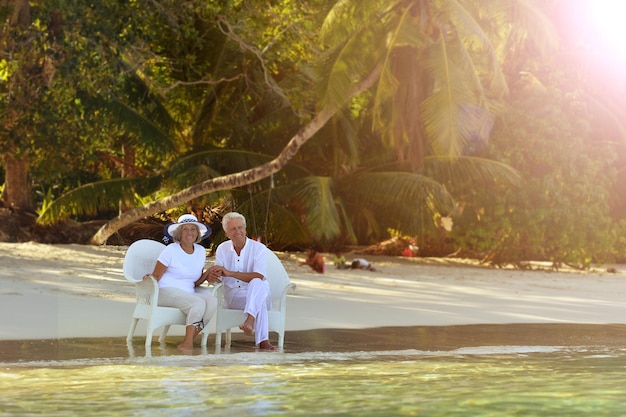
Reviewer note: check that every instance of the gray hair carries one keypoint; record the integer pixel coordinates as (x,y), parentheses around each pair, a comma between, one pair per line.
(232,216)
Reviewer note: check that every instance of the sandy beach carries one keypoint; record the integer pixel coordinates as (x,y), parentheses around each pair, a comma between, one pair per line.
(75,291)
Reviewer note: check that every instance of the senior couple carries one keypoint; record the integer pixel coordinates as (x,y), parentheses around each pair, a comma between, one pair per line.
(240,263)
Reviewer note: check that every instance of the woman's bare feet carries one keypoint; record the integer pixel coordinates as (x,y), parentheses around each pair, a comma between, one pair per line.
(187,344)
(185,347)
(266,345)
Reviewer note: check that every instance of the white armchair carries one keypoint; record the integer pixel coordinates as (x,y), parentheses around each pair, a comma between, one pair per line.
(280,286)
(139,260)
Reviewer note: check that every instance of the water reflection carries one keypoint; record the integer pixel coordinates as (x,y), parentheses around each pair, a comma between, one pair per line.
(423,338)
(162,349)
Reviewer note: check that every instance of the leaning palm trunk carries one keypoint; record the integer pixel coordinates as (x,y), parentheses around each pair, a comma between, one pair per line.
(234,180)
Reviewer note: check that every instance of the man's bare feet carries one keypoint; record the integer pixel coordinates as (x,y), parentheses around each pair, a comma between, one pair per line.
(246,328)
(185,347)
(266,345)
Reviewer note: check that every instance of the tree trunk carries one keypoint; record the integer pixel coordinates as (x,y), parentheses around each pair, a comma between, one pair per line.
(21,12)
(233,180)
(17,191)
(17,187)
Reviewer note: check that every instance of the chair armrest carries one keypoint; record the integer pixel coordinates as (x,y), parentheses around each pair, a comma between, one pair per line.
(215,288)
(147,291)
(289,288)
(150,284)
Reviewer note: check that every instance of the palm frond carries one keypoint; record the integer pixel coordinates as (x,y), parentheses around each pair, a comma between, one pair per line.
(342,18)
(342,136)
(353,55)
(448,170)
(531,25)
(442,109)
(274,222)
(285,228)
(322,218)
(200,166)
(149,134)
(404,33)
(349,235)
(141,97)
(477,42)
(396,199)
(93,198)
(396,187)
(368,224)
(221,161)
(193,175)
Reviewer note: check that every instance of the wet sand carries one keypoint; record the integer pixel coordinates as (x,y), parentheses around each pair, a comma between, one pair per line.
(421,338)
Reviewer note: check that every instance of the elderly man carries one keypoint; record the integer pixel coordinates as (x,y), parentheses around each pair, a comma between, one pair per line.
(241,263)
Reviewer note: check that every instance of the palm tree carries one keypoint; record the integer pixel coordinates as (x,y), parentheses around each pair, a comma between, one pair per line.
(427,78)
(440,81)
(329,204)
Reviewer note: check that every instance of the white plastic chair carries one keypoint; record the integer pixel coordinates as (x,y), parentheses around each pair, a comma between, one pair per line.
(140,259)
(280,285)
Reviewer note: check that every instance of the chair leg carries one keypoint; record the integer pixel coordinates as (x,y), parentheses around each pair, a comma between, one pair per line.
(131,331)
(218,339)
(228,338)
(166,328)
(205,336)
(148,338)
(281,339)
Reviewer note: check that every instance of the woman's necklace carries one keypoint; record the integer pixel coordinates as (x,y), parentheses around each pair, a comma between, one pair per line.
(187,249)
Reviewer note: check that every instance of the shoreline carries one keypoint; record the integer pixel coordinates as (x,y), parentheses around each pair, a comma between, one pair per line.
(61,292)
(394,340)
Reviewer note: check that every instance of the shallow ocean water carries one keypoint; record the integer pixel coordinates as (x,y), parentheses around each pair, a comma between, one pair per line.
(91,378)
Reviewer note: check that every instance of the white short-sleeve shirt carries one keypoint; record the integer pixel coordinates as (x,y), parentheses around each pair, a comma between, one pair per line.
(183,269)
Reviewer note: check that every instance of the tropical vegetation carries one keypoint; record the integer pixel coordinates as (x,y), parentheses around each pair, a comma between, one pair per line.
(328,123)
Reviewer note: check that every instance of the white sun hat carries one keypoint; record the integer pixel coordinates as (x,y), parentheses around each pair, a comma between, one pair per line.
(186,219)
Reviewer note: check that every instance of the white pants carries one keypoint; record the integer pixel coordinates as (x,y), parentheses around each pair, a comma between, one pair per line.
(255,301)
(198,306)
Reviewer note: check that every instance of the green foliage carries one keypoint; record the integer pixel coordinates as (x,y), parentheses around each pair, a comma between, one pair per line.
(155,98)
(102,196)
(560,211)
(47,199)
(620,241)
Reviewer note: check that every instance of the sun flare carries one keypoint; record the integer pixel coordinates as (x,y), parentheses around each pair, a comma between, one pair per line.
(608,20)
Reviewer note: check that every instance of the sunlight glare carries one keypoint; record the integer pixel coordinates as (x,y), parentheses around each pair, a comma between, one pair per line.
(607,17)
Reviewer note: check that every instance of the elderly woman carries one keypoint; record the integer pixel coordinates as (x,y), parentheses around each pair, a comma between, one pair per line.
(180,272)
